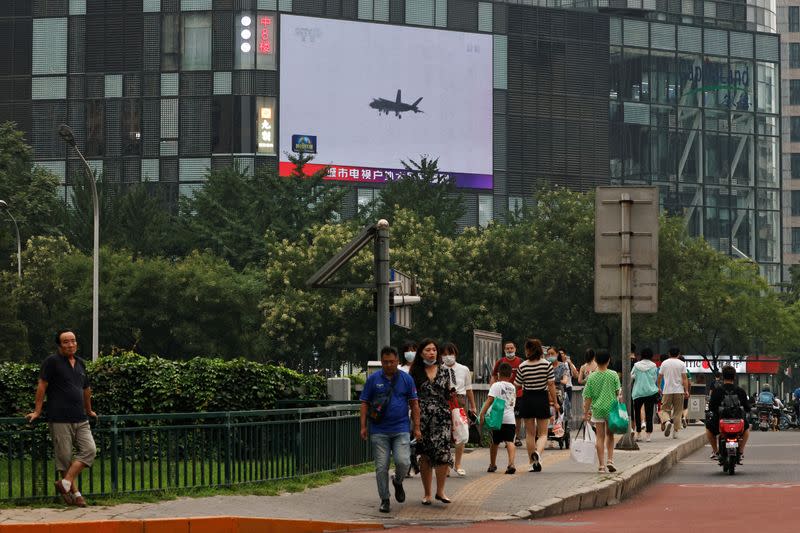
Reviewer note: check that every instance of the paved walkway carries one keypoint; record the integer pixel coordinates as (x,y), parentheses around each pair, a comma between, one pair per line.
(478,496)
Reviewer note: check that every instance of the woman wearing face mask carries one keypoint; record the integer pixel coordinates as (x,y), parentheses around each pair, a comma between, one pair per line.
(408,353)
(433,390)
(535,376)
(460,379)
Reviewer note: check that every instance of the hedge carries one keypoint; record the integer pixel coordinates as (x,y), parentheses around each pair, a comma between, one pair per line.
(128,383)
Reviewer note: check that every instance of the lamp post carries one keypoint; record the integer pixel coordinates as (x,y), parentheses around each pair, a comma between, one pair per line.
(4,206)
(65,132)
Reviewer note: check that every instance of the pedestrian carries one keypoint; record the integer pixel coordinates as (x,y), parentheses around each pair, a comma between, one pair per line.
(505,390)
(685,411)
(461,379)
(392,393)
(568,369)
(645,393)
(409,350)
(65,383)
(433,446)
(674,388)
(510,357)
(602,389)
(796,395)
(587,367)
(535,376)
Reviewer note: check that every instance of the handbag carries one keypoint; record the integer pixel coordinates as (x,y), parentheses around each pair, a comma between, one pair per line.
(618,421)
(458,417)
(582,449)
(558,427)
(494,418)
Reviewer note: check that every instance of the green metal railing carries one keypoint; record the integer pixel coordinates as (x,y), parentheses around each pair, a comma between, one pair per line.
(141,453)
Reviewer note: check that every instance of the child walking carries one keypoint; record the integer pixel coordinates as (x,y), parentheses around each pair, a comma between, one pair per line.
(601,390)
(505,390)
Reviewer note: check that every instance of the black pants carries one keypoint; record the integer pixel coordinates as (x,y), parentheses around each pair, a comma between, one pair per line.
(649,403)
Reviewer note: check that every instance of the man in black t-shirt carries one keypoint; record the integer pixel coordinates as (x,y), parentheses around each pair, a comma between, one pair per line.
(716,401)
(64,381)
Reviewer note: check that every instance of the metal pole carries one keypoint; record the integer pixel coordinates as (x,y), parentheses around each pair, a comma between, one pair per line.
(4,205)
(626,268)
(95,259)
(382,282)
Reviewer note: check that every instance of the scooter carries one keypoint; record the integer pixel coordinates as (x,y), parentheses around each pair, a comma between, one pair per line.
(788,419)
(729,443)
(764,417)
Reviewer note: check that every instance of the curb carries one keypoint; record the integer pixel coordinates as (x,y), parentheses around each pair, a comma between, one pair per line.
(216,524)
(616,489)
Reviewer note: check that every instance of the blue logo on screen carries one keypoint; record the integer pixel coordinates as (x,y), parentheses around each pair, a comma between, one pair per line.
(306,144)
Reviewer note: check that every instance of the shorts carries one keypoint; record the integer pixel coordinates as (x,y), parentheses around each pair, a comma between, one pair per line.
(712,425)
(534,404)
(506,433)
(67,435)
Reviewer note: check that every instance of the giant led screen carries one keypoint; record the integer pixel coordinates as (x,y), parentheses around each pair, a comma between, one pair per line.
(365,96)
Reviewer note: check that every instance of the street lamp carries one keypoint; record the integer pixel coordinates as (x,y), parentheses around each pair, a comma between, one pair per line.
(66,134)
(4,206)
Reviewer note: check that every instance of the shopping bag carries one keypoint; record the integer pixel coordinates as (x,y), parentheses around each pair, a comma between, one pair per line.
(583,449)
(558,427)
(618,421)
(494,418)
(460,426)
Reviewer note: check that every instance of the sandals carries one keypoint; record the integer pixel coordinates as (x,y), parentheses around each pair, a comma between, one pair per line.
(610,466)
(492,468)
(601,469)
(511,469)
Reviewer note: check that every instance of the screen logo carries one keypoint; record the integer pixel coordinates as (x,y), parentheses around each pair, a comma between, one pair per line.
(306,144)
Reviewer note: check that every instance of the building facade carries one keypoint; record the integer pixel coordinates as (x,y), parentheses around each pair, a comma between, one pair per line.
(789,28)
(679,94)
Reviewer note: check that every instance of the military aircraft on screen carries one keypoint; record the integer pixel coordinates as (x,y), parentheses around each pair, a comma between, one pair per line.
(387,106)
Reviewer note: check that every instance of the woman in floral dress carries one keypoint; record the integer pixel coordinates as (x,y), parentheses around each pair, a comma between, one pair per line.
(434,389)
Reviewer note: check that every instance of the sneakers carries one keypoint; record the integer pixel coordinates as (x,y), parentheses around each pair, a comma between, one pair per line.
(536,465)
(460,472)
(714,457)
(492,468)
(647,437)
(668,429)
(384,508)
(518,443)
(399,494)
(675,434)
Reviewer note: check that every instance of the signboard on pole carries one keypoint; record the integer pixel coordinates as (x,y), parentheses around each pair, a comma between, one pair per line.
(643,232)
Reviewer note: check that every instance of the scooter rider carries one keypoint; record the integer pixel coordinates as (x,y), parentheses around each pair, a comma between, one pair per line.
(714,403)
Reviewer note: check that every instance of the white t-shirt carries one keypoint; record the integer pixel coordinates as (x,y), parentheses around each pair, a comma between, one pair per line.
(460,377)
(672,370)
(508,392)
(405,368)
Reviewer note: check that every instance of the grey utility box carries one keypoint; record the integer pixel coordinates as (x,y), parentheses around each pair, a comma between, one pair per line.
(339,389)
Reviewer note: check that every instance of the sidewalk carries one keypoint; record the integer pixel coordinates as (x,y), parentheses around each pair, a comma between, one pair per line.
(562,486)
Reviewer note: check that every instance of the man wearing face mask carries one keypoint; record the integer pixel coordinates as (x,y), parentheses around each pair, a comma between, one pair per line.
(510,357)
(462,381)
(408,352)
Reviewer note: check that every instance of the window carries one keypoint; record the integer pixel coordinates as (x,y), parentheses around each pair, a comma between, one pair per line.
(795,203)
(794,92)
(794,19)
(196,41)
(795,159)
(794,55)
(794,135)
(170,42)
(796,240)
(95,128)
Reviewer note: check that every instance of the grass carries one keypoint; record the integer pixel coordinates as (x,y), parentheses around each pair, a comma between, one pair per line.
(267,488)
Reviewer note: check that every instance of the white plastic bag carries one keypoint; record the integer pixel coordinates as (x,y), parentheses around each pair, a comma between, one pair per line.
(460,426)
(558,427)
(582,448)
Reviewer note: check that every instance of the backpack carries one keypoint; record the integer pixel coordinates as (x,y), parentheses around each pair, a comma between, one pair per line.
(731,406)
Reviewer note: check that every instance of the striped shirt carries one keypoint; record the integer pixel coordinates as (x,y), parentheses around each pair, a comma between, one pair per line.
(534,375)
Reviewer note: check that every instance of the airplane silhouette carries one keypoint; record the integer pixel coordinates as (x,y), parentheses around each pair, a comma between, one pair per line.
(386,106)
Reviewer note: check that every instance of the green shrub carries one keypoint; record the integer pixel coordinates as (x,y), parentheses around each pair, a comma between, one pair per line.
(128,383)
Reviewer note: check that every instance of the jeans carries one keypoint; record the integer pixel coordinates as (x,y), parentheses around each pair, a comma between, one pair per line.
(396,444)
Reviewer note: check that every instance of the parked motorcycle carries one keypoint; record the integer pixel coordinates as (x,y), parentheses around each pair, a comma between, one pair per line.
(730,442)
(788,419)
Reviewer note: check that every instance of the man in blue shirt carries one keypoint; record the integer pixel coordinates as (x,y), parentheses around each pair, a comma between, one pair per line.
(385,401)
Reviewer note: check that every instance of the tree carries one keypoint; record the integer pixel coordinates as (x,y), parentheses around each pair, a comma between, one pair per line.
(233,211)
(423,190)
(30,192)
(711,303)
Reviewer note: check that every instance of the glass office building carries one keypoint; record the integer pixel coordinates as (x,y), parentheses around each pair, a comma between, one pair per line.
(682,94)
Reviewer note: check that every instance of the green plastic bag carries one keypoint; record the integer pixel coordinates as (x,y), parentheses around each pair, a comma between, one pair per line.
(618,421)
(494,418)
